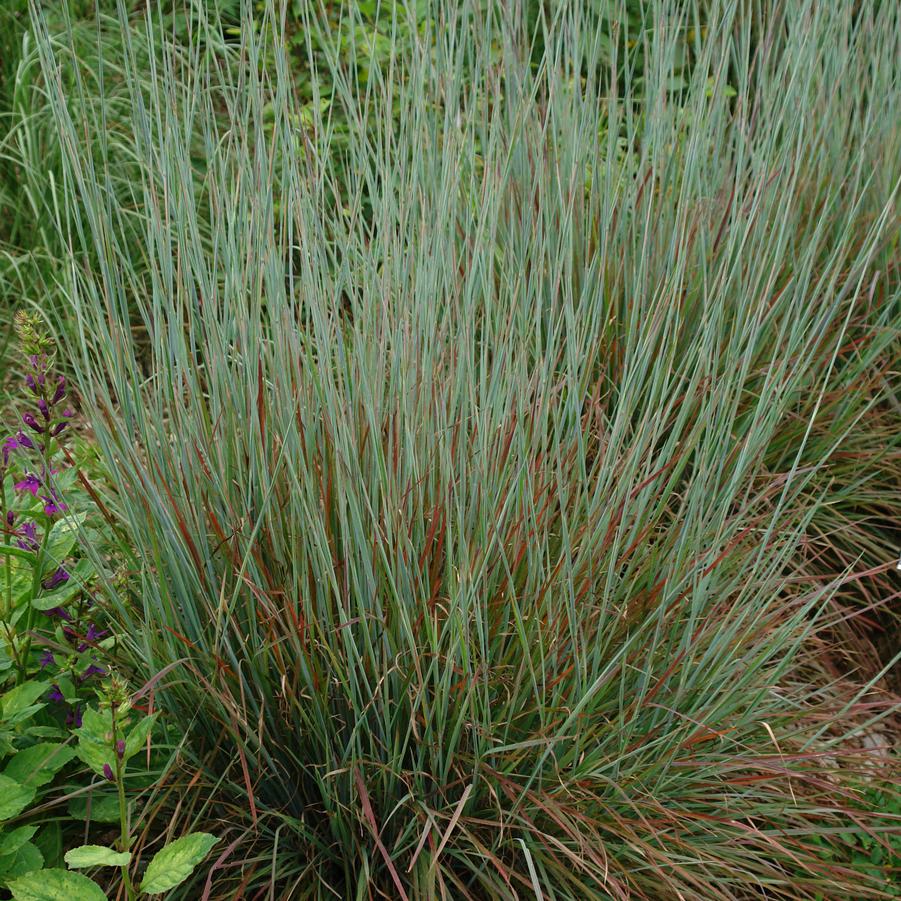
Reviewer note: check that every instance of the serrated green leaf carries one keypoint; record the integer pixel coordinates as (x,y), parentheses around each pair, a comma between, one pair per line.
(95,856)
(38,764)
(55,885)
(14,797)
(174,863)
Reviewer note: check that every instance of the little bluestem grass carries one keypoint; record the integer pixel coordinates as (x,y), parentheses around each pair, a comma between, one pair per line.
(482,429)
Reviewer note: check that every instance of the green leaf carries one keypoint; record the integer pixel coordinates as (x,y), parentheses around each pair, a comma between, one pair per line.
(62,540)
(38,764)
(13,840)
(96,856)
(26,860)
(10,551)
(21,698)
(55,885)
(14,798)
(79,575)
(95,738)
(174,863)
(136,739)
(98,808)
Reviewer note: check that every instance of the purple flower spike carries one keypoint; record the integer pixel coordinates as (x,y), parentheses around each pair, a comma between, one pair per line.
(32,423)
(47,659)
(29,483)
(55,695)
(60,392)
(60,577)
(108,772)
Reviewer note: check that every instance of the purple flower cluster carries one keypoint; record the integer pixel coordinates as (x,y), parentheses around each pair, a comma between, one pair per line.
(32,448)
(48,421)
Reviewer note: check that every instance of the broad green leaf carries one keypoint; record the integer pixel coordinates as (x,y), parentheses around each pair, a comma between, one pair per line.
(14,797)
(62,539)
(98,808)
(95,856)
(7,550)
(11,841)
(49,841)
(55,885)
(81,573)
(38,764)
(21,698)
(95,739)
(174,863)
(136,739)
(26,860)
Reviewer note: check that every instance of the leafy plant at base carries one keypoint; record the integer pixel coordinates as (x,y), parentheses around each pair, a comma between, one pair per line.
(46,605)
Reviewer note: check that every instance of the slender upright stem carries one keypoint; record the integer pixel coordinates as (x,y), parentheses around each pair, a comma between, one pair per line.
(124,838)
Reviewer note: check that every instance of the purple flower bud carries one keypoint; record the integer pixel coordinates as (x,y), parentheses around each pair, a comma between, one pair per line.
(32,423)
(92,670)
(68,412)
(10,518)
(60,392)
(52,507)
(58,429)
(9,445)
(47,659)
(55,695)
(60,577)
(94,634)
(32,384)
(108,772)
(29,483)
(61,612)
(29,539)
(44,407)
(120,749)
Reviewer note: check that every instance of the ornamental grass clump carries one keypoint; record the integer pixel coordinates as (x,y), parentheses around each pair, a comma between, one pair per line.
(487,467)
